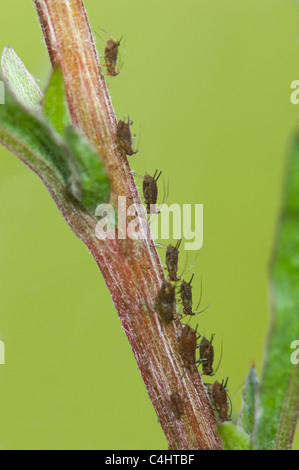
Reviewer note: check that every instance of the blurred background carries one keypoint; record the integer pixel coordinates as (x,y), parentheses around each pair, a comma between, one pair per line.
(207,85)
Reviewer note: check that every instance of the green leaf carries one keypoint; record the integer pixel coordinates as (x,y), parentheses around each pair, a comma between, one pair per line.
(21,82)
(233,437)
(28,134)
(249,402)
(91,171)
(30,137)
(54,103)
(279,399)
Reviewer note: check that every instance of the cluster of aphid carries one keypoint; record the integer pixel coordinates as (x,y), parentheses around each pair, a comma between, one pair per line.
(166,299)
(123,133)
(188,341)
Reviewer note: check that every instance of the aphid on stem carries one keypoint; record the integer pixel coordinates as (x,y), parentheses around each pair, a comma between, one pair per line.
(172,259)
(111,54)
(150,192)
(206,356)
(186,298)
(124,138)
(165,302)
(188,346)
(220,399)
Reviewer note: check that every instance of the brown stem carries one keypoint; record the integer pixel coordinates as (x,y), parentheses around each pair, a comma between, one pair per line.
(131,268)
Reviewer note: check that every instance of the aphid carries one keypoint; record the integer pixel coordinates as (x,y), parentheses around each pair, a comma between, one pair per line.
(111,53)
(206,355)
(165,302)
(177,405)
(150,192)
(172,259)
(188,346)
(186,296)
(110,56)
(220,399)
(124,138)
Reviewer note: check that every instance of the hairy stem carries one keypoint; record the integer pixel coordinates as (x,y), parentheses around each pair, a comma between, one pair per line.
(131,268)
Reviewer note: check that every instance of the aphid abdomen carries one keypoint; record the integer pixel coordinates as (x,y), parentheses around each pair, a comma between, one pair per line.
(206,356)
(124,138)
(110,56)
(150,191)
(187,346)
(220,400)
(165,302)
(186,298)
(172,259)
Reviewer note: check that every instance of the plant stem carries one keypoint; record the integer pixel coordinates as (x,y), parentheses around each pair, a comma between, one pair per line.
(131,268)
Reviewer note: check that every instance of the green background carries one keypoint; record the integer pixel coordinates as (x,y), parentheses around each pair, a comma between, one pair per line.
(207,84)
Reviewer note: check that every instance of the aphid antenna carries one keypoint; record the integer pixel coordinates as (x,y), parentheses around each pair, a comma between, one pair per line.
(178,244)
(106,32)
(192,280)
(221,352)
(200,291)
(157,177)
(195,259)
(130,122)
(160,245)
(124,49)
(224,385)
(199,335)
(203,310)
(100,37)
(138,139)
(136,174)
(166,193)
(229,399)
(164,244)
(118,115)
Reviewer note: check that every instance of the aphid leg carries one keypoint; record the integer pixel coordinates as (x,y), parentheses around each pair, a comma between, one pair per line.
(221,352)
(195,259)
(165,197)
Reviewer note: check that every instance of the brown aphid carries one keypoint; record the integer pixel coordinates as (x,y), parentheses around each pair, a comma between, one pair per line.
(206,355)
(172,259)
(165,302)
(150,192)
(188,346)
(124,138)
(186,297)
(177,405)
(110,56)
(219,399)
